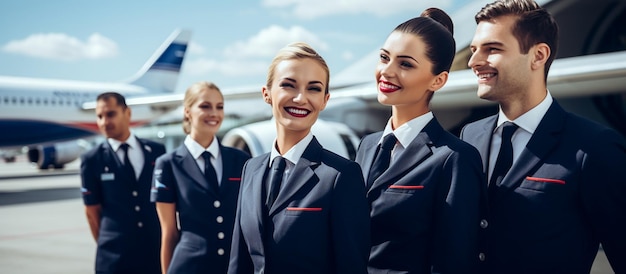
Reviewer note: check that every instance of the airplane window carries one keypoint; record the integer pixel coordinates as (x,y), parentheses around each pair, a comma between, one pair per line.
(14,100)
(30,101)
(45,101)
(6,100)
(37,101)
(22,101)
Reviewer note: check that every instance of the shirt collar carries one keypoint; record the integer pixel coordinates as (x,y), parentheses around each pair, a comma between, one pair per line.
(530,120)
(294,154)
(409,130)
(196,149)
(131,141)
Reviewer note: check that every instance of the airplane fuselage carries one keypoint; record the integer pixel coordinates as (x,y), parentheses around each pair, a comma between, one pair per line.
(32,112)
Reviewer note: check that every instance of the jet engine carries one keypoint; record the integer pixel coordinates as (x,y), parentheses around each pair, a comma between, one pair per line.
(257,138)
(56,155)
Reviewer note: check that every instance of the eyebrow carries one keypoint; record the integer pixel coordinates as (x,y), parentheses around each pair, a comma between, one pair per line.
(311,82)
(401,56)
(492,43)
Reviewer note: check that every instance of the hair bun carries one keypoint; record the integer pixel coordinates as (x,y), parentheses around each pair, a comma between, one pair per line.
(440,16)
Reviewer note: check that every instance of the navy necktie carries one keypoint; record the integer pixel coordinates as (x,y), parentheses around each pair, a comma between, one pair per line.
(274,179)
(383,157)
(209,171)
(128,166)
(505,157)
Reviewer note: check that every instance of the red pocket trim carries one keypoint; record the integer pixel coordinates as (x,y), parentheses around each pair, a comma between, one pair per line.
(405,187)
(234,179)
(545,180)
(304,209)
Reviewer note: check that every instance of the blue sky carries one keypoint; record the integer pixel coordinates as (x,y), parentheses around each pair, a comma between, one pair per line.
(232,42)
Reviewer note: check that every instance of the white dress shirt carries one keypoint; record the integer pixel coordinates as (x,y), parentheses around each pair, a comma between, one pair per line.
(406,133)
(292,156)
(135,153)
(527,123)
(196,151)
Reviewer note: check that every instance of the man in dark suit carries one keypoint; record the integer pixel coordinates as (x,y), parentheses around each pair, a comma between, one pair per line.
(565,191)
(116,179)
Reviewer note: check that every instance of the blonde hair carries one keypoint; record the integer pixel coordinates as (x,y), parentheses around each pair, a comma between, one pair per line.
(298,50)
(191,96)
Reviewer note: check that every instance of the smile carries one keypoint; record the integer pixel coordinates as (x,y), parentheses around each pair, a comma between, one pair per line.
(387,87)
(297,112)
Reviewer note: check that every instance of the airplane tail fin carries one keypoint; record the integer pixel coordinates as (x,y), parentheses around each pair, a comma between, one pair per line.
(160,72)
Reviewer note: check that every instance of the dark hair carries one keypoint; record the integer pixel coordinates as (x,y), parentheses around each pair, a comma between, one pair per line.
(435,28)
(111,94)
(534,24)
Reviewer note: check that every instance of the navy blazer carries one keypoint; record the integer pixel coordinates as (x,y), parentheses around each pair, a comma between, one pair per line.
(425,208)
(206,217)
(564,195)
(130,236)
(318,224)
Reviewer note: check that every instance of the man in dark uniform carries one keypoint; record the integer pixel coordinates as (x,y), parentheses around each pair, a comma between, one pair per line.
(116,178)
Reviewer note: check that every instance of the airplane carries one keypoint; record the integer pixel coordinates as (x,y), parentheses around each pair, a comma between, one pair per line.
(48,116)
(587,78)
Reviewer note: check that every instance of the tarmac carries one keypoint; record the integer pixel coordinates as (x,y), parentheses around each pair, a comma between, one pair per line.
(43,228)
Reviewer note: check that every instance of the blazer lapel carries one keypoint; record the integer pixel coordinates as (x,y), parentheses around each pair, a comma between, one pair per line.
(369,148)
(149,159)
(227,169)
(110,159)
(187,163)
(253,188)
(483,141)
(417,151)
(545,138)
(300,175)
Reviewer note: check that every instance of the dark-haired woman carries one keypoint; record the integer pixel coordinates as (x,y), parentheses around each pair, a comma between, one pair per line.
(424,184)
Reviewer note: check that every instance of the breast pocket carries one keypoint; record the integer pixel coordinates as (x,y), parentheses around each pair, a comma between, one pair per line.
(404,189)
(297,211)
(543,184)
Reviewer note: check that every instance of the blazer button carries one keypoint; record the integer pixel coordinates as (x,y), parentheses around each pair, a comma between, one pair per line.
(481,257)
(140,224)
(137,208)
(484,223)
(217,204)
(219,219)
(220,235)
(220,251)
(135,193)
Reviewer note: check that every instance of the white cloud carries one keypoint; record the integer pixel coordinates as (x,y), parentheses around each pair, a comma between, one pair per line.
(269,40)
(306,9)
(347,55)
(206,67)
(195,48)
(252,56)
(61,46)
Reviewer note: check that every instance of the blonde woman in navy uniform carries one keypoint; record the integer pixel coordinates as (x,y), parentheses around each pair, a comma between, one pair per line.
(203,193)
(116,177)
(426,206)
(317,219)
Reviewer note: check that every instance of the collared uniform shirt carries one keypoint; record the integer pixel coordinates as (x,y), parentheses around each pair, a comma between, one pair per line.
(292,156)
(196,151)
(135,153)
(405,133)
(527,123)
